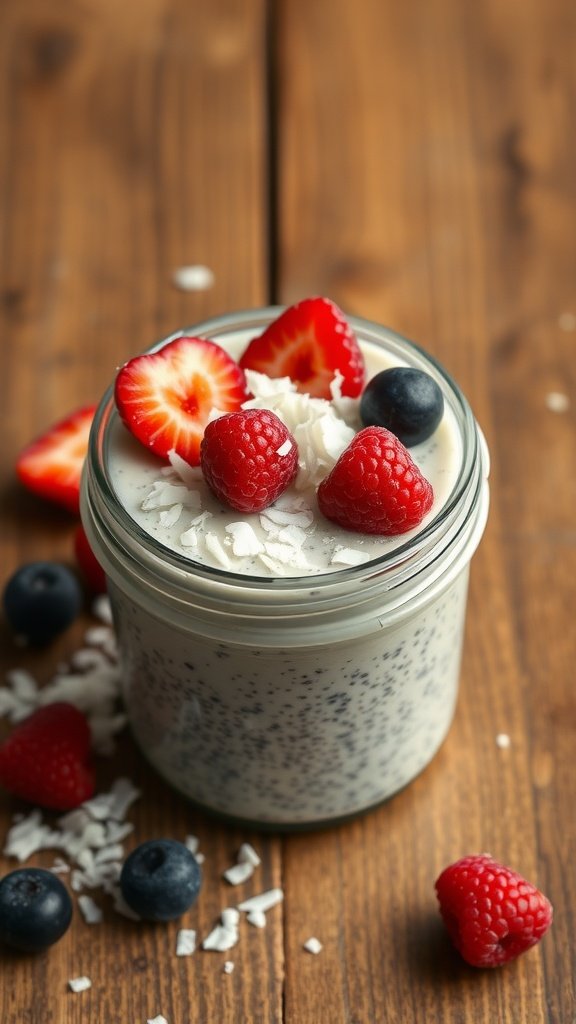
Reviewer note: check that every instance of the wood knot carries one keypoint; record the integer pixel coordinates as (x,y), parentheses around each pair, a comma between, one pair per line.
(46,53)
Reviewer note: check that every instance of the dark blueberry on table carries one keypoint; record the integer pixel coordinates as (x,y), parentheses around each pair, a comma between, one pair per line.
(35,909)
(41,600)
(404,400)
(160,879)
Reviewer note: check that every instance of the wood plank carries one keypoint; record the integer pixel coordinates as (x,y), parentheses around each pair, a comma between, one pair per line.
(132,141)
(426,181)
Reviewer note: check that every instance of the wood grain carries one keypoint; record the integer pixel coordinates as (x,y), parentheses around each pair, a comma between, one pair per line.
(416,163)
(434,191)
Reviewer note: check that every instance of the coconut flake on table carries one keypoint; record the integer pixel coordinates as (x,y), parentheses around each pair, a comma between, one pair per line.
(91,912)
(246,861)
(313,945)
(185,942)
(256,918)
(79,984)
(264,901)
(159,1019)
(225,935)
(193,278)
(228,967)
(248,853)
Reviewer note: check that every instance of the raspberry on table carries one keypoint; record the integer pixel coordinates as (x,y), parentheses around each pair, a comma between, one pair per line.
(248,458)
(375,487)
(492,914)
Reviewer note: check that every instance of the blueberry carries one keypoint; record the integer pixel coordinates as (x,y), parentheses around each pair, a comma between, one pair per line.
(160,879)
(35,909)
(41,599)
(404,400)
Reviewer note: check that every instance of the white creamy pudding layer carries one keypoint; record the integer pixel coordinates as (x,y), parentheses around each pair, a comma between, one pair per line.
(172,503)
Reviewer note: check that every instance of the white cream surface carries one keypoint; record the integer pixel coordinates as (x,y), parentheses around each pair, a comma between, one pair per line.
(172,503)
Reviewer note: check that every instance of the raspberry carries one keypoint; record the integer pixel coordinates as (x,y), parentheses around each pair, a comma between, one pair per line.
(375,487)
(248,458)
(492,914)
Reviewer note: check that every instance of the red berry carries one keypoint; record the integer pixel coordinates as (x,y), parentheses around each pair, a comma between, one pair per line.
(46,758)
(375,487)
(165,398)
(309,342)
(52,465)
(89,566)
(248,458)
(492,914)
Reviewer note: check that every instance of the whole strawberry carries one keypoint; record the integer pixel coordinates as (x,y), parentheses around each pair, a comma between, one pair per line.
(375,487)
(248,458)
(492,914)
(46,758)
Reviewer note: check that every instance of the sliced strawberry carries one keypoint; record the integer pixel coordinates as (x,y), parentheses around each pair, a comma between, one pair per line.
(165,398)
(309,342)
(52,465)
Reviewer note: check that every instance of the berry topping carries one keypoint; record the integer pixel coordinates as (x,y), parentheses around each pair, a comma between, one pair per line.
(41,600)
(160,879)
(310,343)
(375,487)
(492,914)
(35,909)
(89,566)
(165,398)
(248,458)
(52,465)
(406,401)
(46,758)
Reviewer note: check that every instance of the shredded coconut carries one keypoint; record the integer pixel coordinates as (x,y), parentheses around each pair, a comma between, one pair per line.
(256,918)
(79,984)
(159,1019)
(228,967)
(193,278)
(264,901)
(247,854)
(225,935)
(91,912)
(556,401)
(348,556)
(313,945)
(244,540)
(503,740)
(185,942)
(239,873)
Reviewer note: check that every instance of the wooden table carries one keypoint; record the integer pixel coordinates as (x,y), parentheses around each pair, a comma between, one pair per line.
(416,162)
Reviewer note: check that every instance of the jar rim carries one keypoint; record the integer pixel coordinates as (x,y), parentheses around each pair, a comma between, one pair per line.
(388,570)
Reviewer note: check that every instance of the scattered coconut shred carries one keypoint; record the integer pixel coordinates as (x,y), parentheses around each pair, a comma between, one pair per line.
(91,837)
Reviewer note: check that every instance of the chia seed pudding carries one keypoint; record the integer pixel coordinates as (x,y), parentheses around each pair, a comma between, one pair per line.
(287,691)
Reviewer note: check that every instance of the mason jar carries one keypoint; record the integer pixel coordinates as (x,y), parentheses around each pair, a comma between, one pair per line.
(291,702)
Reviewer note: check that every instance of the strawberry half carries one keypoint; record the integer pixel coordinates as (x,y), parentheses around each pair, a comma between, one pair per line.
(309,342)
(51,466)
(46,758)
(165,398)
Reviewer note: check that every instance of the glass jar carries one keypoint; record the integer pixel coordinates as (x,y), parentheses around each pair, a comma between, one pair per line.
(291,702)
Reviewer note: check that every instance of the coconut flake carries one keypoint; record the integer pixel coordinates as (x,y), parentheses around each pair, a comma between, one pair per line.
(91,912)
(348,556)
(79,984)
(244,539)
(239,873)
(102,609)
(189,475)
(185,942)
(257,918)
(285,447)
(193,278)
(313,945)
(224,935)
(247,854)
(171,516)
(264,901)
(503,740)
(228,967)
(159,1019)
(215,548)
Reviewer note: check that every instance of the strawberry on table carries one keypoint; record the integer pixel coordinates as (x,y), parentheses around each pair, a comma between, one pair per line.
(492,914)
(375,487)
(165,398)
(309,342)
(46,758)
(51,466)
